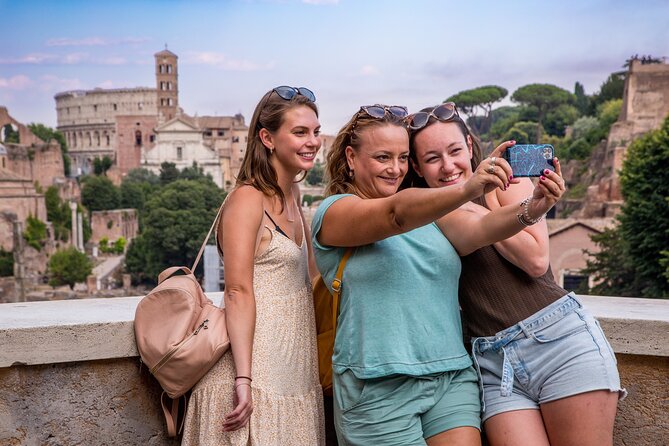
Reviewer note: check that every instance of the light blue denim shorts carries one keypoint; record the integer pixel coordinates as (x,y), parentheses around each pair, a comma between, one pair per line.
(559,351)
(404,410)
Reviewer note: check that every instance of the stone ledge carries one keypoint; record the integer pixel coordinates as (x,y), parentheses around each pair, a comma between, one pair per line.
(51,332)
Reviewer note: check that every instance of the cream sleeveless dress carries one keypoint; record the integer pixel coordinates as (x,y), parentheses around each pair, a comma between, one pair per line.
(287,396)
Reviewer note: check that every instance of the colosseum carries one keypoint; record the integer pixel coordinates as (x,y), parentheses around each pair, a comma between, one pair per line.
(118,123)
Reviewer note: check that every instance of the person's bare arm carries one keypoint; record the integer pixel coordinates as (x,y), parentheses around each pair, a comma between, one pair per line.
(238,232)
(471,227)
(353,221)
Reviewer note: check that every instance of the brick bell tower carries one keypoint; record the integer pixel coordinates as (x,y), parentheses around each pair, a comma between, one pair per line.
(167,83)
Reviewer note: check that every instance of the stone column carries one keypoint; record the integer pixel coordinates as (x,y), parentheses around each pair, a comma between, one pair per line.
(75,237)
(19,267)
(80,233)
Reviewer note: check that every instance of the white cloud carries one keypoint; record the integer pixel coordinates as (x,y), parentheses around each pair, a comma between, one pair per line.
(222,61)
(95,41)
(50,83)
(29,59)
(369,70)
(19,82)
(106,84)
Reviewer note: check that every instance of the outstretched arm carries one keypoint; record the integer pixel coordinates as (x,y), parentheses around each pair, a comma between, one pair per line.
(472,226)
(377,219)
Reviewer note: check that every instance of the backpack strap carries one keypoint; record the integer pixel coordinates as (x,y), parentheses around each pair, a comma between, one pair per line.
(213,225)
(172,413)
(336,286)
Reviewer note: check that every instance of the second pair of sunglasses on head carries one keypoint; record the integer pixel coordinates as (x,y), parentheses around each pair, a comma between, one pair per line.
(416,121)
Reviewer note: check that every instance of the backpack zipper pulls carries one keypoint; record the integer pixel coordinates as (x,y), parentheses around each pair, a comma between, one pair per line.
(201,326)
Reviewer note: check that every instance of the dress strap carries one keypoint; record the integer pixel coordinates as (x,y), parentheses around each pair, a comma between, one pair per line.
(277,227)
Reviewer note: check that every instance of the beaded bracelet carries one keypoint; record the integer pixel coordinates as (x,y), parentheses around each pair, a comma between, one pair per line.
(524,216)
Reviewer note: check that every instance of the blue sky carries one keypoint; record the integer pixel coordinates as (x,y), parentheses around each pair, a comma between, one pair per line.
(349,52)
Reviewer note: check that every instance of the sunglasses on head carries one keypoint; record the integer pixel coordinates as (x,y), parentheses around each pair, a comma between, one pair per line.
(444,112)
(379,111)
(288,93)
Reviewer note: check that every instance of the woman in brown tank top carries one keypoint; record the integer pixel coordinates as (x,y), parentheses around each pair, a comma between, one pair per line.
(548,375)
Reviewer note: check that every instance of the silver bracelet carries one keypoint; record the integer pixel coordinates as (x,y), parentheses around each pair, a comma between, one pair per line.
(524,216)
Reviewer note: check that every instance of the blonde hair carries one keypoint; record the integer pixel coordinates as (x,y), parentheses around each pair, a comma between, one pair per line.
(256,169)
(339,180)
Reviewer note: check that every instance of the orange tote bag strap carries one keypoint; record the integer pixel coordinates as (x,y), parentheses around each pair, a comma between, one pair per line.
(336,286)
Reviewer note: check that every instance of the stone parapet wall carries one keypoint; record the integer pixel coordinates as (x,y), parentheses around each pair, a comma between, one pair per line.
(69,372)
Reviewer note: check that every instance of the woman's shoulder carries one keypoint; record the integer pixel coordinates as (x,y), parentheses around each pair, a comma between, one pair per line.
(244,201)
(244,194)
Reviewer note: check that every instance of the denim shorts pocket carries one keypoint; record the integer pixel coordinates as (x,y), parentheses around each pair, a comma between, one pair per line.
(349,390)
(568,325)
(602,340)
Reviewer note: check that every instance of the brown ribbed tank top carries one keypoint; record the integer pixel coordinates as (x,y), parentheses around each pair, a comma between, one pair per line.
(495,294)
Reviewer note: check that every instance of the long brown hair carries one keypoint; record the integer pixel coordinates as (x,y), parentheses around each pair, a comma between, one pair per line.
(256,169)
(339,180)
(412,178)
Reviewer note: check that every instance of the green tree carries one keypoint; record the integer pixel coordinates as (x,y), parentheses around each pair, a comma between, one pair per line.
(35,232)
(638,244)
(644,217)
(544,97)
(68,266)
(100,194)
(176,220)
(6,263)
(558,119)
(610,267)
(142,175)
(46,134)
(133,196)
(612,88)
(582,101)
(523,132)
(168,173)
(194,172)
(102,165)
(479,98)
(315,175)
(11,136)
(58,213)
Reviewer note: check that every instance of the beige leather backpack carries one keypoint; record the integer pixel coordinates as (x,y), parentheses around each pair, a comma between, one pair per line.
(180,335)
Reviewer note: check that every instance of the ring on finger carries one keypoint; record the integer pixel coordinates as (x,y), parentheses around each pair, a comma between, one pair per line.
(491,169)
(493,160)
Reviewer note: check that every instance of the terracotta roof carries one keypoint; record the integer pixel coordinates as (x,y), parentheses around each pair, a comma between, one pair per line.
(556,225)
(165,52)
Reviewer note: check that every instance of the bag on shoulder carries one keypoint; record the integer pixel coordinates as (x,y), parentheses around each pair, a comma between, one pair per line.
(326,306)
(180,335)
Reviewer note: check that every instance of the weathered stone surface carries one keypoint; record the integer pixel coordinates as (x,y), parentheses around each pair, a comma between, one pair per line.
(81,403)
(642,416)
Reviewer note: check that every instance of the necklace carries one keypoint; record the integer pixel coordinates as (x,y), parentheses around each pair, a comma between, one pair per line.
(291,211)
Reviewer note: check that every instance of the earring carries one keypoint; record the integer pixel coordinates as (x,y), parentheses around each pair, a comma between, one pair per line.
(271,150)
(351,173)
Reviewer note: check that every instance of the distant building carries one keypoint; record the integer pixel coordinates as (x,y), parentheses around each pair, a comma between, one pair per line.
(181,142)
(569,238)
(123,124)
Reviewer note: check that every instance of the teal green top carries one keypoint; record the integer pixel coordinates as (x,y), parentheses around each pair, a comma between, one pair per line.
(399,310)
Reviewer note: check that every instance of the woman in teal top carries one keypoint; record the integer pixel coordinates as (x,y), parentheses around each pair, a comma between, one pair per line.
(402,376)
